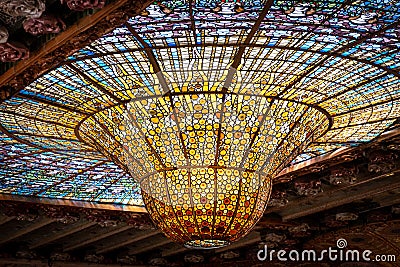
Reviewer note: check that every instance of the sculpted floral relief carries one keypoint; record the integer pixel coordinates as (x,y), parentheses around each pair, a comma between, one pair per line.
(12,52)
(343,174)
(3,34)
(44,24)
(382,161)
(23,8)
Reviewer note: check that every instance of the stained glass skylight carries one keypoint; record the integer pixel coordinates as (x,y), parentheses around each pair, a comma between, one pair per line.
(339,57)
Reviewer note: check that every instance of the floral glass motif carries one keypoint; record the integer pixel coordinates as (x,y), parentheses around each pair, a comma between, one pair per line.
(323,75)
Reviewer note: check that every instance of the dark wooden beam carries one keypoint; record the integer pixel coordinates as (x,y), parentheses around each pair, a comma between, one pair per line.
(81,226)
(97,238)
(26,230)
(131,240)
(386,199)
(5,219)
(174,250)
(155,244)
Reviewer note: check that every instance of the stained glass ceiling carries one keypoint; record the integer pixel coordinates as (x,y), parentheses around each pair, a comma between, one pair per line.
(340,57)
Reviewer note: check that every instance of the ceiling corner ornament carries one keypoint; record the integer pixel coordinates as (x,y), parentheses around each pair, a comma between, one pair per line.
(10,52)
(80,5)
(23,8)
(3,34)
(43,25)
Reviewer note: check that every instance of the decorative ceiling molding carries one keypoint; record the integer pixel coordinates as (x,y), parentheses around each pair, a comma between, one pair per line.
(3,34)
(30,211)
(72,203)
(66,43)
(13,51)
